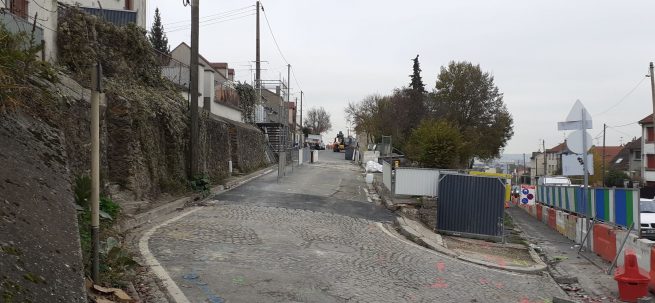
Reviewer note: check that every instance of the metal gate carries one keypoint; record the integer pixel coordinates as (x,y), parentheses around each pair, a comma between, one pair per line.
(471,206)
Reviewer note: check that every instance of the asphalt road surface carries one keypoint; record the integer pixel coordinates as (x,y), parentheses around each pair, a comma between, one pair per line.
(313,236)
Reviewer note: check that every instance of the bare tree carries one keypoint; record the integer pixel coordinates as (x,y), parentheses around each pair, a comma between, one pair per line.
(318,120)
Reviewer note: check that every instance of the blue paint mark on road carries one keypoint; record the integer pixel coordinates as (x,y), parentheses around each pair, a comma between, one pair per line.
(195,279)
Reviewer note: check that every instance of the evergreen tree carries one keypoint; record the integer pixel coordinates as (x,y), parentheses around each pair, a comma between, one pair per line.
(157,35)
(417,82)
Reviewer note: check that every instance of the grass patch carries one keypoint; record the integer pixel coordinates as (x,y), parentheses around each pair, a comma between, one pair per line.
(115,262)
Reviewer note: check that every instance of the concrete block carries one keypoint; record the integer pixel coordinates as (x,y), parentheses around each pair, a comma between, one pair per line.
(641,247)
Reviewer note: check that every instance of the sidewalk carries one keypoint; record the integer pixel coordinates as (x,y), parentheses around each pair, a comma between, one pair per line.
(582,280)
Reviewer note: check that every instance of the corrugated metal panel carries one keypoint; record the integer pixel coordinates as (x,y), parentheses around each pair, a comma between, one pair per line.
(470,205)
(178,74)
(417,182)
(117,17)
(260,114)
(386,175)
(17,24)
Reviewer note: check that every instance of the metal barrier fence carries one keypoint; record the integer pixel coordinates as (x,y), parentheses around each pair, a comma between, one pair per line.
(417,181)
(386,175)
(177,72)
(471,206)
(617,206)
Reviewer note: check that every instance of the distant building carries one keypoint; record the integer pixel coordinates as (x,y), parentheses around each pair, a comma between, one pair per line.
(628,160)
(552,165)
(213,84)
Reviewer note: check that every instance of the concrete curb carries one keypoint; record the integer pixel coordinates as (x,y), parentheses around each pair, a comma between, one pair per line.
(416,232)
(147,217)
(168,208)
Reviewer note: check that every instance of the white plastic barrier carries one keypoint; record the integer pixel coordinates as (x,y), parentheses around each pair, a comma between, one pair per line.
(370,156)
(641,247)
(386,175)
(561,222)
(544,214)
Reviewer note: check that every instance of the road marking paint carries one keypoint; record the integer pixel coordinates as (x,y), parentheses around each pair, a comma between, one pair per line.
(441,266)
(172,288)
(439,283)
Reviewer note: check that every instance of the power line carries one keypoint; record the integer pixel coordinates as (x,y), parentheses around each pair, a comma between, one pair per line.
(618,131)
(624,97)
(627,124)
(272,35)
(210,16)
(268,24)
(212,19)
(45,9)
(221,21)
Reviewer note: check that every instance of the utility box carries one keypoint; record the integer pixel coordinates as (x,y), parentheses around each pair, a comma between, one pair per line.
(314,156)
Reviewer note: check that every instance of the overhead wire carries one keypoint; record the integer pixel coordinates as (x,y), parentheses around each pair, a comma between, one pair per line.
(212,23)
(43,8)
(623,125)
(219,14)
(622,99)
(270,29)
(618,131)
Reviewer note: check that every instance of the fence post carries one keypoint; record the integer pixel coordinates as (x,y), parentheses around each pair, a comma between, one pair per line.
(616,258)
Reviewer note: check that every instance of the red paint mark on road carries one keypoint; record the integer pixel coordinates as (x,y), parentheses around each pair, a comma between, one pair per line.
(440,283)
(501,262)
(441,266)
(483,281)
(499,285)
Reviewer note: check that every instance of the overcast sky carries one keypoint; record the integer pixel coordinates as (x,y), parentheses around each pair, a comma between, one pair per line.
(543,54)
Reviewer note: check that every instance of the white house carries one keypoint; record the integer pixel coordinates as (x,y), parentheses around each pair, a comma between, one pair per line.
(20,15)
(211,83)
(648,151)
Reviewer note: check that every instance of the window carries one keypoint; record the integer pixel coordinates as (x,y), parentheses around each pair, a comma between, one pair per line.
(129,5)
(650,161)
(650,136)
(19,8)
(619,160)
(637,155)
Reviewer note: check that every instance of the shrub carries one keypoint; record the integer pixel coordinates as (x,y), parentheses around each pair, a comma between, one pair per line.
(434,144)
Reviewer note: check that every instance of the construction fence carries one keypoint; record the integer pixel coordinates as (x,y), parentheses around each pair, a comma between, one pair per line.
(616,206)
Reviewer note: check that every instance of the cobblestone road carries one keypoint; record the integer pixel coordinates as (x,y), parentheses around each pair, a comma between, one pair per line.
(275,252)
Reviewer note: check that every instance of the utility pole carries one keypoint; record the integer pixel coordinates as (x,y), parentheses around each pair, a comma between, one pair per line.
(295,115)
(258,67)
(193,147)
(286,110)
(302,134)
(523,174)
(652,89)
(545,155)
(96,77)
(603,175)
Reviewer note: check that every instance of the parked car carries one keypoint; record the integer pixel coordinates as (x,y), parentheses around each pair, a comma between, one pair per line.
(647,218)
